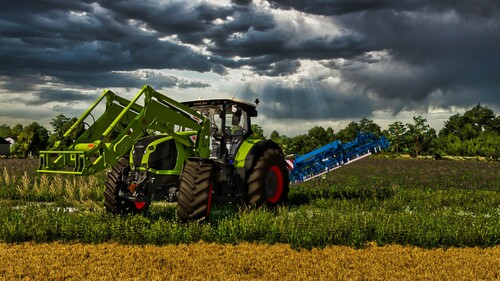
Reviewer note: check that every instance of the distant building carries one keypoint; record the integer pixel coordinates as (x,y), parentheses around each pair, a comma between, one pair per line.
(11,140)
(4,147)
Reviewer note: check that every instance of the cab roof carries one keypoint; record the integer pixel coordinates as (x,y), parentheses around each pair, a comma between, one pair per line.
(249,107)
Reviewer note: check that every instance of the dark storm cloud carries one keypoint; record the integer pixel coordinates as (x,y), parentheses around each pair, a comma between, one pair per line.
(478,8)
(269,67)
(20,84)
(328,7)
(44,94)
(242,2)
(428,54)
(55,38)
(277,43)
(396,54)
(62,96)
(270,53)
(197,84)
(190,23)
(85,39)
(433,46)
(90,38)
(309,101)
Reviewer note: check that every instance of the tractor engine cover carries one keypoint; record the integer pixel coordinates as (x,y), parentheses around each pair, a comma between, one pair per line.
(161,153)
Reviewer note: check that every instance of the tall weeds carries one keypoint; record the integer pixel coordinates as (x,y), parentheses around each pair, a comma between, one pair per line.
(50,188)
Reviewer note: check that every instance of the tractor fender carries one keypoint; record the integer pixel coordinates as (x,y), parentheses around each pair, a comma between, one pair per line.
(250,151)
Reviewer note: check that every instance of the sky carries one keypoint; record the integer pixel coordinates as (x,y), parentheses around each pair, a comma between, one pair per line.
(310,63)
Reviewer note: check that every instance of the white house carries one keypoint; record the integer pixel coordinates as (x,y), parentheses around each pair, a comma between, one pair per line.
(11,140)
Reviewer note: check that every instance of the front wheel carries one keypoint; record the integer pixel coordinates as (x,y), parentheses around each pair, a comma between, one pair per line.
(268,182)
(115,181)
(195,192)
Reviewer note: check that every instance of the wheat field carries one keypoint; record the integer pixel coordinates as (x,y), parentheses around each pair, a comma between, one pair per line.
(245,261)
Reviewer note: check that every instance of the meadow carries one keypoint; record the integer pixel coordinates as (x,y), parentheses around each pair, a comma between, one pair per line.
(425,203)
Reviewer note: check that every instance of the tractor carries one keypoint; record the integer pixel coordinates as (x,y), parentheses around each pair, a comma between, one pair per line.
(196,153)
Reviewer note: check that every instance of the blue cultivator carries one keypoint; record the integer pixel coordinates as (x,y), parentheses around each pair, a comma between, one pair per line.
(334,155)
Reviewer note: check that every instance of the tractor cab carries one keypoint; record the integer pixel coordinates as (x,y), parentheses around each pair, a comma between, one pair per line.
(230,124)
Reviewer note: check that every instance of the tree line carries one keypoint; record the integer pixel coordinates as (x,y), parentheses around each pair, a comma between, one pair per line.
(31,139)
(474,133)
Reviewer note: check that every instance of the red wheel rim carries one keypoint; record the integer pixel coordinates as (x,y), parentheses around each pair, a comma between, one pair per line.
(279,184)
(139,205)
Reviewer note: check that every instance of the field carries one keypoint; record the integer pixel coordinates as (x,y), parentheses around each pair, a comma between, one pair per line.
(348,224)
(245,261)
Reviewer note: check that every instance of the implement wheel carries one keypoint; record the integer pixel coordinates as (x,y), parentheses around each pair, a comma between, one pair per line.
(268,181)
(195,192)
(114,182)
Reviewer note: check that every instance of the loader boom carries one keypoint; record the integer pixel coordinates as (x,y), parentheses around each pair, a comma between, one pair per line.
(121,125)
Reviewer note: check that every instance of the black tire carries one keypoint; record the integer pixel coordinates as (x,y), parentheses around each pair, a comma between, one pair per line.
(114,182)
(195,192)
(268,182)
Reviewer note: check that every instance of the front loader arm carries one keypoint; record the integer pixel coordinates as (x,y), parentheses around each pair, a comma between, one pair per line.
(100,147)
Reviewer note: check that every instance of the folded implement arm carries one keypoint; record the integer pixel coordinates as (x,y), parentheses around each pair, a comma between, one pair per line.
(335,155)
(120,126)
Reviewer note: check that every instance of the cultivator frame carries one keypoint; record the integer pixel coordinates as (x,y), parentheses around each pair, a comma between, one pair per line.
(334,155)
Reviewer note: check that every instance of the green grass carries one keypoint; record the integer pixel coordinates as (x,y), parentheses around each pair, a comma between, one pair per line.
(306,226)
(411,202)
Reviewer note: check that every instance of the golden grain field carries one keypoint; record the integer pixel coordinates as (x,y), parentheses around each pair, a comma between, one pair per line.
(246,261)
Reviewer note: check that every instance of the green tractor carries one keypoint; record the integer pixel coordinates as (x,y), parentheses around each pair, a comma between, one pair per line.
(196,153)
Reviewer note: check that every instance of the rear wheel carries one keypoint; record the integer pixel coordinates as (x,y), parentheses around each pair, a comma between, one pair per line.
(114,182)
(268,181)
(195,192)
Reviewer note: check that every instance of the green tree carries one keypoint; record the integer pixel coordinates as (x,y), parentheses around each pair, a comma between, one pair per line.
(5,131)
(349,132)
(257,131)
(495,125)
(330,134)
(489,145)
(396,135)
(299,145)
(475,133)
(419,136)
(275,135)
(283,141)
(16,130)
(446,145)
(60,125)
(32,139)
(367,125)
(318,137)
(482,119)
(470,125)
